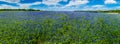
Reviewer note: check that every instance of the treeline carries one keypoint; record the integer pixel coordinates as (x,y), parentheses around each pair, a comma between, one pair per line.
(86,11)
(113,11)
(106,11)
(19,10)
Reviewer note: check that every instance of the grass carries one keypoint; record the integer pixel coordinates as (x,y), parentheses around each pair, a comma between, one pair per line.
(63,30)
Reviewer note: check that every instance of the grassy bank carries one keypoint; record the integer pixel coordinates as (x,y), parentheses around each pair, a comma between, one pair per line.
(63,30)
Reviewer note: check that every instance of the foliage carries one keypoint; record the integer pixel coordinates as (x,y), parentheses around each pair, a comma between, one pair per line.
(111,11)
(18,10)
(60,30)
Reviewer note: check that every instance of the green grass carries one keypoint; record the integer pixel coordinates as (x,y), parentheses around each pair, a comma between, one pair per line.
(63,30)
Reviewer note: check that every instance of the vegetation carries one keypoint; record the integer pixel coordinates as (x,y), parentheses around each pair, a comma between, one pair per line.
(60,30)
(18,10)
(111,11)
(105,11)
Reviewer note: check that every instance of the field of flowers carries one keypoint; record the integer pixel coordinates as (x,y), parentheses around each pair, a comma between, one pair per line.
(59,28)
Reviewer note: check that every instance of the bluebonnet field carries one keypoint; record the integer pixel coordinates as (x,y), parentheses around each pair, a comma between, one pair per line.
(48,27)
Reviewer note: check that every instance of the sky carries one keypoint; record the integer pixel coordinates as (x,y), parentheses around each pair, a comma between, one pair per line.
(60,5)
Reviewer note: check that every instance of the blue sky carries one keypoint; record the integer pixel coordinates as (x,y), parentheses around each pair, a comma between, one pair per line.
(60,5)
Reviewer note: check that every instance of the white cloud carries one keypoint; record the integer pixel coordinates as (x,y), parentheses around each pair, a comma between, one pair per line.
(21,6)
(61,9)
(46,2)
(72,5)
(98,6)
(95,7)
(27,5)
(77,2)
(5,6)
(110,2)
(24,6)
(65,0)
(11,1)
(51,2)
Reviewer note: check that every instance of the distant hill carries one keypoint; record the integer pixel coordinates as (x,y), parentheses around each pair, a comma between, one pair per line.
(19,10)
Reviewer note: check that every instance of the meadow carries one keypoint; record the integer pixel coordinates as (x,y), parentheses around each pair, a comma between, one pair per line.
(49,27)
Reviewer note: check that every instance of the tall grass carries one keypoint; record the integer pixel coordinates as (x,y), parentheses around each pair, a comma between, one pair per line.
(62,30)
